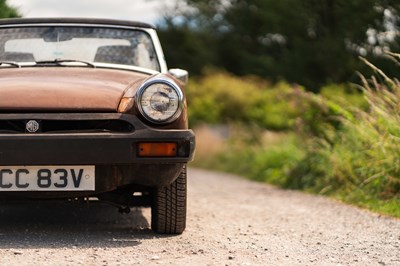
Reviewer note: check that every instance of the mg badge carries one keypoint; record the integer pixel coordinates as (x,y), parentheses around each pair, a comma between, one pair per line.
(32,126)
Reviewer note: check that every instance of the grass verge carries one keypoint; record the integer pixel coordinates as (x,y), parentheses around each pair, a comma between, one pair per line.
(349,150)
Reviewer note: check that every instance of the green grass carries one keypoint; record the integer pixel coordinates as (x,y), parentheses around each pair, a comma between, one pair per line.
(359,198)
(343,143)
(280,160)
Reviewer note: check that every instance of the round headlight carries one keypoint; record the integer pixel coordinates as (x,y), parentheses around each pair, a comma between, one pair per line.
(159,100)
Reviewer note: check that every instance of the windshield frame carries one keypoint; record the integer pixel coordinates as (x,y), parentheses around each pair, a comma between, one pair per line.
(150,31)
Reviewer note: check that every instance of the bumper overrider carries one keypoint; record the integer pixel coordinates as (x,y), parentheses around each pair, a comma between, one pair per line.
(141,156)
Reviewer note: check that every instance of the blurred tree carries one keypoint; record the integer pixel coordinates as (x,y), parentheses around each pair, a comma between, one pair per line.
(311,42)
(6,11)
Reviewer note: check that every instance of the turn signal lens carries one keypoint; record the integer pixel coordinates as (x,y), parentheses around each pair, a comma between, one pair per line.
(125,105)
(157,149)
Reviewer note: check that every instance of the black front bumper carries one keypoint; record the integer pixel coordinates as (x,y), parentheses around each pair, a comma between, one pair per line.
(114,154)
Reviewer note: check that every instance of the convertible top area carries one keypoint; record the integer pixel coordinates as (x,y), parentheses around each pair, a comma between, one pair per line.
(93,21)
(117,42)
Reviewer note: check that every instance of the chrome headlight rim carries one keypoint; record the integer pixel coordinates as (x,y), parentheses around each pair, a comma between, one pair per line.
(165,81)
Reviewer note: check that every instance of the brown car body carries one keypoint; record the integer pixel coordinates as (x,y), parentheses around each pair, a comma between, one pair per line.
(65,89)
(88,115)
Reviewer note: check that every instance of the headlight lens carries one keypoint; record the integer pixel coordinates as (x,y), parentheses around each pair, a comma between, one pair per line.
(159,100)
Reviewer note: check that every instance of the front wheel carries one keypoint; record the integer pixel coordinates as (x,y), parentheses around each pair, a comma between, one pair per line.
(168,210)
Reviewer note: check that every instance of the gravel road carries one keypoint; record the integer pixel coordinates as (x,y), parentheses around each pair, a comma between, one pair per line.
(231,221)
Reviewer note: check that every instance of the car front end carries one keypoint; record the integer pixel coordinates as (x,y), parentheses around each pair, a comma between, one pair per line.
(89,110)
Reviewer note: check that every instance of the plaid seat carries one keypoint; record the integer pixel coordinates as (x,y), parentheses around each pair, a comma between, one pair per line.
(116,54)
(16,56)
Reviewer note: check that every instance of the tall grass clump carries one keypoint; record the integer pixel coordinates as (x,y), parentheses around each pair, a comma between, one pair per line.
(360,161)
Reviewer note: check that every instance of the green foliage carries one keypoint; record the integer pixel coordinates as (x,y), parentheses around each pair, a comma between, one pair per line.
(219,97)
(309,42)
(343,142)
(347,95)
(6,11)
(250,151)
(272,163)
(186,49)
(361,163)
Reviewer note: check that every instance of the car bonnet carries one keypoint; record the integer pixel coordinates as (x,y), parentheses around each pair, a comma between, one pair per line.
(64,88)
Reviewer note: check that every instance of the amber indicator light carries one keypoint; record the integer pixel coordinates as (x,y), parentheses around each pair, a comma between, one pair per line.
(157,149)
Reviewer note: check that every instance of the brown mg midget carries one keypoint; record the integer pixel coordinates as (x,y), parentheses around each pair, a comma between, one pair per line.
(90,112)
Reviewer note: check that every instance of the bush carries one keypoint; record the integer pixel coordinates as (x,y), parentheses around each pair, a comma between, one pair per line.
(220,98)
(347,95)
(361,160)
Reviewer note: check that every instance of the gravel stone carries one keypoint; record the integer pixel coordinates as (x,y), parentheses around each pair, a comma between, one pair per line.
(231,221)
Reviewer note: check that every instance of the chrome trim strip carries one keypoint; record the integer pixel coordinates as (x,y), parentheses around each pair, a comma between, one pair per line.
(71,25)
(159,51)
(126,67)
(96,64)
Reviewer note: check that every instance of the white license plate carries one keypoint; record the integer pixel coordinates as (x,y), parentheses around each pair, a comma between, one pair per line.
(47,178)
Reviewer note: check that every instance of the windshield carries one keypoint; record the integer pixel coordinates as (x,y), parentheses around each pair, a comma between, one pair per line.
(94,44)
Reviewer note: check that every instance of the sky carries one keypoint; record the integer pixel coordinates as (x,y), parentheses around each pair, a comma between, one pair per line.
(140,10)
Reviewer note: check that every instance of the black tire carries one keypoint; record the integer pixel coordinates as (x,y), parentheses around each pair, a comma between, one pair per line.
(168,210)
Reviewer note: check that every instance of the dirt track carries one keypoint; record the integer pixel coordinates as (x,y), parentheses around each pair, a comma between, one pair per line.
(231,221)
